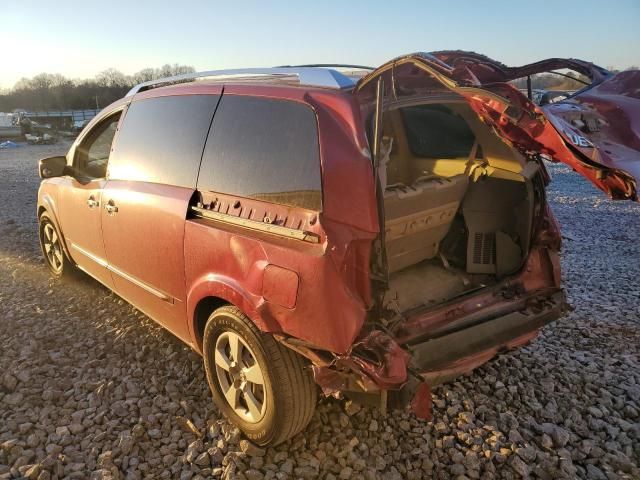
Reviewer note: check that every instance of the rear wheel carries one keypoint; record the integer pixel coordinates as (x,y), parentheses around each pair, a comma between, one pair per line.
(51,245)
(260,385)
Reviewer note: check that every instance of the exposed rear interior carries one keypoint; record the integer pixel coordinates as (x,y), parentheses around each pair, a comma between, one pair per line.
(458,202)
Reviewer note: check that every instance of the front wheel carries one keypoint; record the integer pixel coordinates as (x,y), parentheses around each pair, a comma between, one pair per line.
(51,245)
(257,383)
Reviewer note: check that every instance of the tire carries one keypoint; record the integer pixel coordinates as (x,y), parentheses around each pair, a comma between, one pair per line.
(267,413)
(51,246)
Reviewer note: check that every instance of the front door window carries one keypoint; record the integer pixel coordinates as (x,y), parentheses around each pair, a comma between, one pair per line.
(92,155)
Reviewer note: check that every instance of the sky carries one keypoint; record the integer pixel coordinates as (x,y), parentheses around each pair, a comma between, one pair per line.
(81,38)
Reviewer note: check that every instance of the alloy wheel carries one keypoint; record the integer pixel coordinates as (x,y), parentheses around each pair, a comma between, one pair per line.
(52,247)
(240,377)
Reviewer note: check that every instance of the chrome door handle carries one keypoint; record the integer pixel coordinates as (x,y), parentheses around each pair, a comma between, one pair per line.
(110,207)
(92,202)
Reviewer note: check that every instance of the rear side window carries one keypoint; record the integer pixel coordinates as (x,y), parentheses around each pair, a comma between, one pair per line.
(264,149)
(435,131)
(161,140)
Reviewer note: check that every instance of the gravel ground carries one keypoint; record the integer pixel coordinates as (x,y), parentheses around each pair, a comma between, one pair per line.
(91,388)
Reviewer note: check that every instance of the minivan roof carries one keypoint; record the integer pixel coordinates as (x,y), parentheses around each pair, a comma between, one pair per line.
(321,75)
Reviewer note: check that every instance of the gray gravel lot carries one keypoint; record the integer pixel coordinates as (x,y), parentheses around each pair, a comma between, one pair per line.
(91,388)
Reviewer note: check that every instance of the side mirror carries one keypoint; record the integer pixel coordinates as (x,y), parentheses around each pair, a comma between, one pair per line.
(52,167)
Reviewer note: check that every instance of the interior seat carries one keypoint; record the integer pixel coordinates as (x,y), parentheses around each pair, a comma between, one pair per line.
(417,217)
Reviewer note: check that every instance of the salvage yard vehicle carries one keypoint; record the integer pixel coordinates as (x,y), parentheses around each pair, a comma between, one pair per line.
(371,232)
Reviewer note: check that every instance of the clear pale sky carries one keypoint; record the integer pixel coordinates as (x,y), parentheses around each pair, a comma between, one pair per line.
(80,38)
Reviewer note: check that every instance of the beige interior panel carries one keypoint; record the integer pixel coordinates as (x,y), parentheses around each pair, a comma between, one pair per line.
(497,153)
(445,167)
(418,217)
(399,166)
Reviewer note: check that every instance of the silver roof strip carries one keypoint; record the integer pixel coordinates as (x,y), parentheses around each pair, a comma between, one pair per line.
(316,76)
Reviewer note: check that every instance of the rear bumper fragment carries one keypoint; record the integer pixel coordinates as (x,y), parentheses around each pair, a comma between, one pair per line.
(389,374)
(457,352)
(498,333)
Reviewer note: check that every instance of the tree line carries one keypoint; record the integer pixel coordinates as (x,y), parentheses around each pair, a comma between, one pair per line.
(47,91)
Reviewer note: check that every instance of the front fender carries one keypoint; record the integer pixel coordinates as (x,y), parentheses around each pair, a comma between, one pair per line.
(47,200)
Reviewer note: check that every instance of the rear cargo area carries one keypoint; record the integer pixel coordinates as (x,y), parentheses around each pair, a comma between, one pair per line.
(458,202)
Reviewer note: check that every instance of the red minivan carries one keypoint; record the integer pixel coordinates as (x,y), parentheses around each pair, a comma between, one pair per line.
(371,232)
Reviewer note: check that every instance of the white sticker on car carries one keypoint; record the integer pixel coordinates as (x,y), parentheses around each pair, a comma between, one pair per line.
(578,140)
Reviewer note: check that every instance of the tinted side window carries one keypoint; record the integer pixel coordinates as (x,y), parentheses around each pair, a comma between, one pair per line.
(264,149)
(161,140)
(437,132)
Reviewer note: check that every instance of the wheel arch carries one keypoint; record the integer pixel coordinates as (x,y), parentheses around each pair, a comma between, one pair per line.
(203,310)
(211,292)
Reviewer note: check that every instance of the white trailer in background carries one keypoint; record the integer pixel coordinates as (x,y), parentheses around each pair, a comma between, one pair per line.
(8,125)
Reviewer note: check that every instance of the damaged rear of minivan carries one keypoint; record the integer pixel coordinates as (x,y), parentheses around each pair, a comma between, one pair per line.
(466,264)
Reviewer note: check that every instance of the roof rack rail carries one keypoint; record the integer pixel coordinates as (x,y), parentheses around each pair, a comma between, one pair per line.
(320,77)
(329,65)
